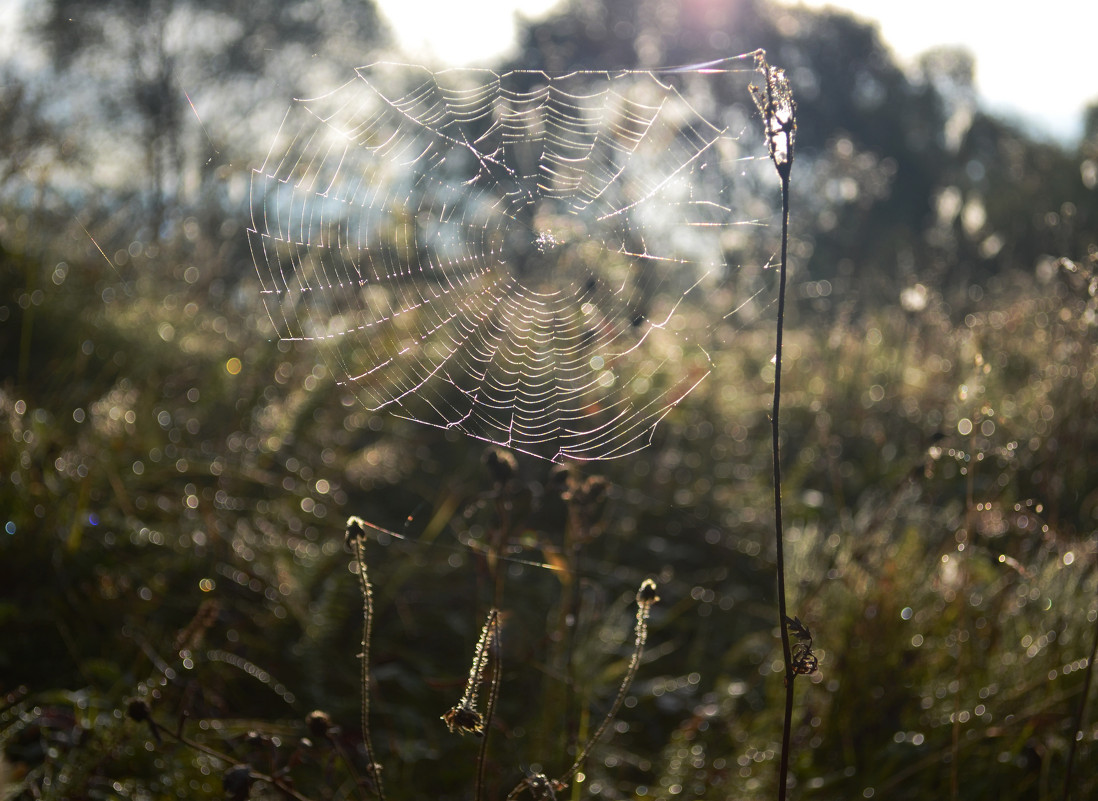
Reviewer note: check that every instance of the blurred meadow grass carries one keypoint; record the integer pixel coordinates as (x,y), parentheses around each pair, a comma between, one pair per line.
(160,456)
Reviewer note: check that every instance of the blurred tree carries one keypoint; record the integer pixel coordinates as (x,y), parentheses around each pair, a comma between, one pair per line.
(879,147)
(860,116)
(1022,201)
(952,72)
(32,144)
(142,61)
(1090,124)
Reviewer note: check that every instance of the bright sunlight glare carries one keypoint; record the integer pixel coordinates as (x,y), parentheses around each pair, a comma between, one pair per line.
(1033,63)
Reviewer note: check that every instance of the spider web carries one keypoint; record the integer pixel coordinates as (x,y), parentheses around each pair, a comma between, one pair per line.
(522,257)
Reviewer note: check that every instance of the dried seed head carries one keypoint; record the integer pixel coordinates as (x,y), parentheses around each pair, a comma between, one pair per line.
(646,595)
(774,100)
(561,480)
(593,491)
(805,663)
(588,499)
(464,720)
(501,463)
(356,530)
(138,710)
(464,717)
(237,781)
(191,636)
(256,739)
(541,788)
(318,723)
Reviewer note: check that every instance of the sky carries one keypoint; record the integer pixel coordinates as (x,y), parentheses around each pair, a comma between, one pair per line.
(1035,66)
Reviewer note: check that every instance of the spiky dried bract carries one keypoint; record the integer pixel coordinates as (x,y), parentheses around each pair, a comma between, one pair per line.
(488,633)
(805,662)
(774,100)
(798,629)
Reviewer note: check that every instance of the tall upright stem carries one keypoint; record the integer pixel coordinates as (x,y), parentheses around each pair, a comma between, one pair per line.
(790,675)
(356,539)
(775,103)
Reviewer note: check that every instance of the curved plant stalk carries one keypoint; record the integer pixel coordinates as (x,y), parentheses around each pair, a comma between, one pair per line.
(464,717)
(774,99)
(490,707)
(243,774)
(541,787)
(319,725)
(356,539)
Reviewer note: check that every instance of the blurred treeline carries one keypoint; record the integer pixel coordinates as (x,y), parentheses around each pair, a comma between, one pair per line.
(173,483)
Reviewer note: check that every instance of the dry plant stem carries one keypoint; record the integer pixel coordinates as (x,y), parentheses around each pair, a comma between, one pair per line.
(646,598)
(644,607)
(348,763)
(787,720)
(489,709)
(367,631)
(275,782)
(569,611)
(1078,728)
(775,103)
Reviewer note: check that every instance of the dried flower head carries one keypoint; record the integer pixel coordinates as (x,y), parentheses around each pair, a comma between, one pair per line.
(318,723)
(137,710)
(561,480)
(257,739)
(464,720)
(237,781)
(356,530)
(542,788)
(587,500)
(646,595)
(805,662)
(501,463)
(774,100)
(191,636)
